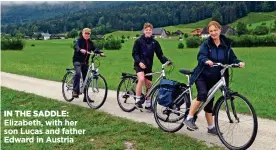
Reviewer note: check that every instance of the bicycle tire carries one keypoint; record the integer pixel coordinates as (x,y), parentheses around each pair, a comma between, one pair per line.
(105,92)
(118,94)
(255,126)
(63,84)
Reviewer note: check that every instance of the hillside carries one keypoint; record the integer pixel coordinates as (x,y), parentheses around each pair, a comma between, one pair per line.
(255,19)
(29,12)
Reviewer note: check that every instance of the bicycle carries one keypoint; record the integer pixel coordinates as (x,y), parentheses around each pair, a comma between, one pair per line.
(129,82)
(92,82)
(225,111)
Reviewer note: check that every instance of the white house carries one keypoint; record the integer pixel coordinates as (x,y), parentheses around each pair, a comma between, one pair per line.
(46,36)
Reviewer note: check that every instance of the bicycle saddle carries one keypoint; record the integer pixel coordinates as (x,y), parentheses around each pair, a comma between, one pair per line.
(186,72)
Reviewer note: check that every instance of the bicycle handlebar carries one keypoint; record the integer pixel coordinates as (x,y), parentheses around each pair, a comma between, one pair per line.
(226,65)
(165,64)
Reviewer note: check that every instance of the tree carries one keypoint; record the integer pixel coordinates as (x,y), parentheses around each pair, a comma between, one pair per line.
(266,6)
(216,16)
(74,33)
(274,27)
(241,28)
(39,36)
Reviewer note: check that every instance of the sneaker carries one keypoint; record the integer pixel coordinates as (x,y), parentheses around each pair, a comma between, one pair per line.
(90,100)
(149,108)
(75,94)
(138,104)
(213,131)
(190,124)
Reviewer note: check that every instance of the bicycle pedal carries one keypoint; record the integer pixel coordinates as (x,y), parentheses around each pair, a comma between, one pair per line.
(141,109)
(125,96)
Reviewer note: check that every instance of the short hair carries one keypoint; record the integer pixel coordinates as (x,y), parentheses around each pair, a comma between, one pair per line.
(85,30)
(148,25)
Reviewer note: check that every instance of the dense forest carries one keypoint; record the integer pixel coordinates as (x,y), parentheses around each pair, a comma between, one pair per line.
(110,16)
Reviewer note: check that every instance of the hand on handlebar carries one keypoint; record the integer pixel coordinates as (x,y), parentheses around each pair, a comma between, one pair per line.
(83,51)
(241,64)
(169,63)
(142,65)
(210,63)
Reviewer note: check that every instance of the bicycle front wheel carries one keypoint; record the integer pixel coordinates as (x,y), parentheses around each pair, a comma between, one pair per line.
(238,129)
(96,91)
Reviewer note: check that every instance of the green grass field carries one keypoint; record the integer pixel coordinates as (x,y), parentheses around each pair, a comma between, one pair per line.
(267,23)
(188,28)
(103,131)
(256,17)
(49,59)
(125,33)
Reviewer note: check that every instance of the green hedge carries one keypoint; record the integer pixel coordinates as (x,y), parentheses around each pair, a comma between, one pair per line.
(253,40)
(10,43)
(109,44)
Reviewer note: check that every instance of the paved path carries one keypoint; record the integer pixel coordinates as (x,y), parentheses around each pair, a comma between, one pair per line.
(266,137)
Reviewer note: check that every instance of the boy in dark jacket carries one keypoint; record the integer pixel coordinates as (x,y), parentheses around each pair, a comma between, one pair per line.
(143,53)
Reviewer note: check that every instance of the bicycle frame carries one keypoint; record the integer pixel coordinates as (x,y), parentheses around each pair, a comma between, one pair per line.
(155,83)
(91,70)
(219,85)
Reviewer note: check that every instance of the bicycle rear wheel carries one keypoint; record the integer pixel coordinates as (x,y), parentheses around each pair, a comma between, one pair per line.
(126,94)
(67,86)
(169,119)
(241,132)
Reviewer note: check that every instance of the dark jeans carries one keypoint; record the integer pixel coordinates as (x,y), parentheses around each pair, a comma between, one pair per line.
(79,68)
(203,85)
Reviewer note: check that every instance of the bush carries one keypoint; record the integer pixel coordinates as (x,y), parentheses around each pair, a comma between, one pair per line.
(180,38)
(186,35)
(253,40)
(128,37)
(9,43)
(99,43)
(263,23)
(123,37)
(122,41)
(112,44)
(180,45)
(137,35)
(193,42)
(261,30)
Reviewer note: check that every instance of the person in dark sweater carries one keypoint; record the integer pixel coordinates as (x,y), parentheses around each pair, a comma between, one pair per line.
(216,49)
(143,54)
(81,59)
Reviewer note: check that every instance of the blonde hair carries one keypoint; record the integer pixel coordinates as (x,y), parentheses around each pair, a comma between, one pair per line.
(148,25)
(85,30)
(214,23)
